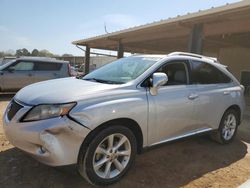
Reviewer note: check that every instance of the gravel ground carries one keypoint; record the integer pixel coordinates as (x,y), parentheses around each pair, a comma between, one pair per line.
(193,162)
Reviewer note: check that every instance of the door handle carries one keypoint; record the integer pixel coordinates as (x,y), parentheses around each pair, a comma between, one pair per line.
(193,96)
(29,74)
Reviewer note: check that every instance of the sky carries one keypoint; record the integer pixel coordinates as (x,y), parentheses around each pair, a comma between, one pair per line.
(54,24)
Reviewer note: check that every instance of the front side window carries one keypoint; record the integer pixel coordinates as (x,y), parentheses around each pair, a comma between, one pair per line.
(122,70)
(204,73)
(176,72)
(24,66)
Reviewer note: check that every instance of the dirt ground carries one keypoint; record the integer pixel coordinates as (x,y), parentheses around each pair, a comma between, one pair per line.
(193,162)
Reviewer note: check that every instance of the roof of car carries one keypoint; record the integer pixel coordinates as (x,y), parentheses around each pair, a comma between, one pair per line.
(43,59)
(150,55)
(9,57)
(202,58)
(180,54)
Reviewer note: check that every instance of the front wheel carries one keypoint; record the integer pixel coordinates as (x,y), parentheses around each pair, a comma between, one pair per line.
(109,156)
(228,127)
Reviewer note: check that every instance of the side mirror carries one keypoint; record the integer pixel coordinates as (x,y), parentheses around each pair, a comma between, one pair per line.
(159,79)
(11,69)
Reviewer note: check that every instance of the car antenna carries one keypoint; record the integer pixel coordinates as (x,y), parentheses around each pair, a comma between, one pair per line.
(105,28)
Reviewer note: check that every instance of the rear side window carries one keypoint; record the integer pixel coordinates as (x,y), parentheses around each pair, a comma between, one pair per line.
(204,73)
(46,66)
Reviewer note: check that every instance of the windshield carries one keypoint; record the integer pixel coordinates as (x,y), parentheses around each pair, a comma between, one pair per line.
(6,64)
(122,71)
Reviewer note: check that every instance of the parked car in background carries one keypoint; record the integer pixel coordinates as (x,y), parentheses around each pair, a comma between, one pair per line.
(81,69)
(23,71)
(6,60)
(101,121)
(73,71)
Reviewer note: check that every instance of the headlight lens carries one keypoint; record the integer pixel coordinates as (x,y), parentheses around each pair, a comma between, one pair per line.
(41,112)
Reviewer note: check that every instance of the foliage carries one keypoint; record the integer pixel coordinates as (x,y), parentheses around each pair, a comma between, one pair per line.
(35,52)
(25,52)
(22,52)
(67,55)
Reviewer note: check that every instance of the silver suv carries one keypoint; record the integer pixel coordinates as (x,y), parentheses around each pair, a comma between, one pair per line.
(23,71)
(101,121)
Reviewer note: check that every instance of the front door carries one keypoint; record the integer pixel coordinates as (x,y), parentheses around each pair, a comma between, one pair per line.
(171,111)
(18,75)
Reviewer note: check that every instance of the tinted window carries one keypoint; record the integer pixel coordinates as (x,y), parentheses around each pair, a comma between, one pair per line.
(24,66)
(176,72)
(45,66)
(204,73)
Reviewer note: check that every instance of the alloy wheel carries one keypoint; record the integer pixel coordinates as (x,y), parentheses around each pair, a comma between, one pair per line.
(229,128)
(112,156)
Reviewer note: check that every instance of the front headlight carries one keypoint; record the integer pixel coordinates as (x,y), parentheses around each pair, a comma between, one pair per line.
(47,111)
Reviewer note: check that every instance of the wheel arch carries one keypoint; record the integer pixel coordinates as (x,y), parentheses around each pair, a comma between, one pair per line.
(129,123)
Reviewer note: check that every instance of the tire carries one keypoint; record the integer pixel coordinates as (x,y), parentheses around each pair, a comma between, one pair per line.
(220,135)
(104,148)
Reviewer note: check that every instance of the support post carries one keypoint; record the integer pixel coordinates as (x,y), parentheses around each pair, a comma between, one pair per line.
(195,39)
(87,60)
(120,50)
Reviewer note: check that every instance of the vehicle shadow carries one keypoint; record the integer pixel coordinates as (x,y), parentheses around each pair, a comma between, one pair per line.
(171,165)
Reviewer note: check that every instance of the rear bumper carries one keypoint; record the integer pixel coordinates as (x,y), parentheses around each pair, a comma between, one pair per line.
(54,142)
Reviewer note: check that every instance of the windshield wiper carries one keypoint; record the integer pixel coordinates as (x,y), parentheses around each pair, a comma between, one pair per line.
(103,81)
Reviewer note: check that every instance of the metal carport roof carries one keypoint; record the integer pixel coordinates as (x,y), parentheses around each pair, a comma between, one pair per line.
(223,26)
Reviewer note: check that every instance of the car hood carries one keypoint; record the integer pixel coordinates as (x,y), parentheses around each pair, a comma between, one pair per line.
(61,91)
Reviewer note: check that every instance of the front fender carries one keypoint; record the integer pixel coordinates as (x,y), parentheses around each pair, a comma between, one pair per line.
(94,113)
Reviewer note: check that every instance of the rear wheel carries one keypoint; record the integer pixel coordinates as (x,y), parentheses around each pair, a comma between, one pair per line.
(228,127)
(108,156)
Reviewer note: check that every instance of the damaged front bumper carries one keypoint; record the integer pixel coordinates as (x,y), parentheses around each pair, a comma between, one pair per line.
(54,141)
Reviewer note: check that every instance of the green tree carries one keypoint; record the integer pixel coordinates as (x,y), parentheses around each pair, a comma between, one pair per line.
(22,52)
(5,54)
(45,53)
(2,54)
(67,55)
(35,52)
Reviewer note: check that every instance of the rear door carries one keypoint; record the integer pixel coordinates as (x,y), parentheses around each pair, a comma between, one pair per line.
(18,75)
(212,92)
(47,70)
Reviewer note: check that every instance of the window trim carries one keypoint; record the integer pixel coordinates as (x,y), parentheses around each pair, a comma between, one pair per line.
(16,62)
(186,69)
(186,63)
(204,62)
(60,64)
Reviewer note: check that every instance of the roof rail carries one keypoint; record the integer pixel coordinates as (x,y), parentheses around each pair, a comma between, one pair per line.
(193,55)
(36,57)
